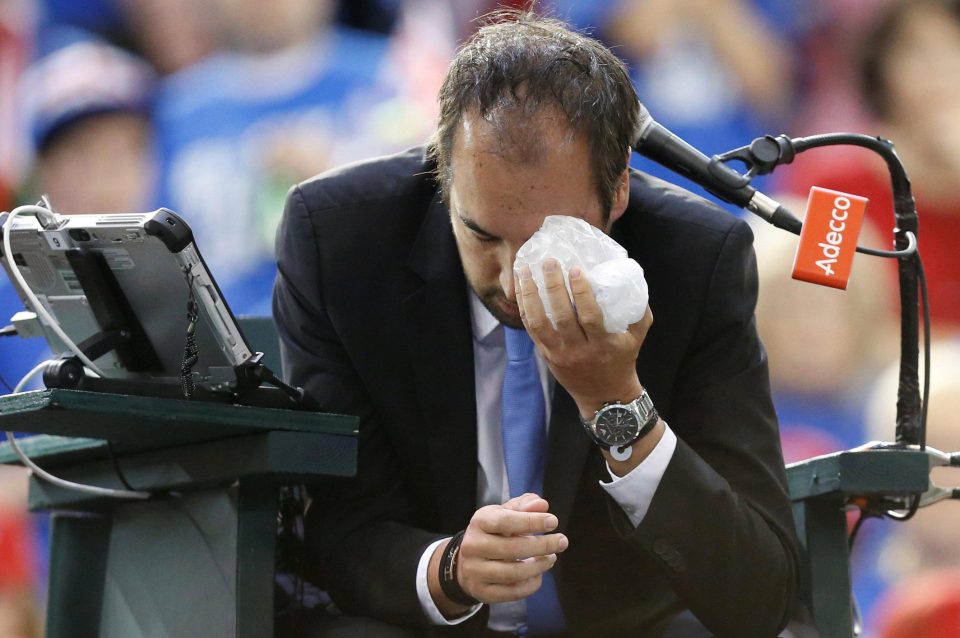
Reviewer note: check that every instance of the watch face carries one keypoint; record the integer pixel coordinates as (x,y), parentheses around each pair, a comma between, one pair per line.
(617,425)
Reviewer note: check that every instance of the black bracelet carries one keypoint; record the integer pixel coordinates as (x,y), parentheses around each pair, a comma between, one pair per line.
(448,573)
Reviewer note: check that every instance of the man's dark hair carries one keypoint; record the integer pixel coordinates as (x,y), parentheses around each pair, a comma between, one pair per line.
(520,64)
(879,45)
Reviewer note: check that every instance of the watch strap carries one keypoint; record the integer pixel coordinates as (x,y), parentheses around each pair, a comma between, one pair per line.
(643,405)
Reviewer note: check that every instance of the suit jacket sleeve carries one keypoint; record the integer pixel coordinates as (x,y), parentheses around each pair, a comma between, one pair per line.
(720,522)
(361,547)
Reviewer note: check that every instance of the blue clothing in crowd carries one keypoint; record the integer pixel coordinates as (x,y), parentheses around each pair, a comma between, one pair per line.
(686,87)
(224,130)
(17,355)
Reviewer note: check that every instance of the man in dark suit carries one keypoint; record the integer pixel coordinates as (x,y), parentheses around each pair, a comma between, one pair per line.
(397,301)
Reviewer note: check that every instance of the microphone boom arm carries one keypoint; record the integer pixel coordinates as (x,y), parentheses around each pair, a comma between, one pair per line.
(761,157)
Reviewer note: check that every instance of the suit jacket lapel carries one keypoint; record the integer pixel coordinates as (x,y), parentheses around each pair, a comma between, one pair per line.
(437,320)
(567,450)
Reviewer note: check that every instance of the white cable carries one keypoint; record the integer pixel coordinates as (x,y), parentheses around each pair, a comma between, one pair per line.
(50,478)
(38,307)
(26,379)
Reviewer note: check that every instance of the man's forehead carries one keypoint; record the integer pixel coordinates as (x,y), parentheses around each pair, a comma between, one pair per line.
(511,133)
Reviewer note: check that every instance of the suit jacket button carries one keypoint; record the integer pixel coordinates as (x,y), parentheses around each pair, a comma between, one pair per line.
(677,563)
(661,547)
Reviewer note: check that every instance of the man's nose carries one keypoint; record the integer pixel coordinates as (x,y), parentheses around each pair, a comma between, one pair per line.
(507,278)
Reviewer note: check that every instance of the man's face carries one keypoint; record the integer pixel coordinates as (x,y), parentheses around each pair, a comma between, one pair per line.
(498,200)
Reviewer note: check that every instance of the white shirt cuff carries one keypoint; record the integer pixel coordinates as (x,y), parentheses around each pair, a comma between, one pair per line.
(634,491)
(423,591)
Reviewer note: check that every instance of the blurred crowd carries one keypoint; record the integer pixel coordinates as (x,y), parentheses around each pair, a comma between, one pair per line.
(214,109)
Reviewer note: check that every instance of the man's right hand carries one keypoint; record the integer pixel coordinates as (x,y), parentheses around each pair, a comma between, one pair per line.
(503,555)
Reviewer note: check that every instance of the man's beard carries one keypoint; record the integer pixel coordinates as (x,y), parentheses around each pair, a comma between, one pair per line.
(492,298)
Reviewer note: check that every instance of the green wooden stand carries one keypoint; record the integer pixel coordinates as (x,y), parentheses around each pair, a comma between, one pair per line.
(820,489)
(197,562)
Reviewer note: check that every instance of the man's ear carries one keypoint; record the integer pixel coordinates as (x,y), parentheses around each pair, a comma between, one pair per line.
(621,196)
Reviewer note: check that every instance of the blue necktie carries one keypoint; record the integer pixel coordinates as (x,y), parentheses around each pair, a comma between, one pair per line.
(523,422)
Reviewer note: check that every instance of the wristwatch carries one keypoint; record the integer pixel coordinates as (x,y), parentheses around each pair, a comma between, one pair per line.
(617,426)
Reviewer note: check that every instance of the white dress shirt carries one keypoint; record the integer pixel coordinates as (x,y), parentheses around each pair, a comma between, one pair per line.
(632,492)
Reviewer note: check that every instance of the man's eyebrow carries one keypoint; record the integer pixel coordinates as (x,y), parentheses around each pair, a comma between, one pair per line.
(472,225)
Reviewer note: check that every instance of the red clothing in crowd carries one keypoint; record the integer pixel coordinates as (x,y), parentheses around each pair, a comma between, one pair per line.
(925,606)
(16,551)
(857,173)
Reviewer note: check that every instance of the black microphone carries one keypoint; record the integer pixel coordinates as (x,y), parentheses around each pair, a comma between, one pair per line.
(656,142)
